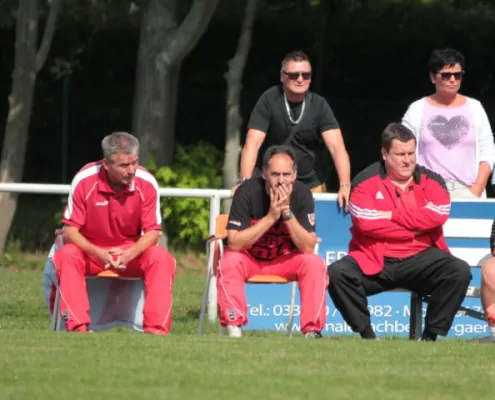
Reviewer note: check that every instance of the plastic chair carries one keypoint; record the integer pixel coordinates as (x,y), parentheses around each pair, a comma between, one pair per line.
(130,316)
(214,253)
(56,322)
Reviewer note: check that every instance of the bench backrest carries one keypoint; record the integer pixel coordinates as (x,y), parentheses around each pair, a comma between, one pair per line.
(469,239)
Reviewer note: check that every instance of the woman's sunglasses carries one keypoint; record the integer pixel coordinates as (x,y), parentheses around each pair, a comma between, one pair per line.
(447,75)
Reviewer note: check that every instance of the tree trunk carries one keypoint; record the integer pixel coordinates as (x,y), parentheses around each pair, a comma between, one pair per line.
(163,46)
(234,88)
(28,61)
(154,100)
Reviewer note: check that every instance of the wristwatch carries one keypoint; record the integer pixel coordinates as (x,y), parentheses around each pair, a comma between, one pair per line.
(241,179)
(287,216)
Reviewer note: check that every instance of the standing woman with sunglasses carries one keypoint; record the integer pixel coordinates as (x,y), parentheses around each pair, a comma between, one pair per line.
(292,115)
(453,132)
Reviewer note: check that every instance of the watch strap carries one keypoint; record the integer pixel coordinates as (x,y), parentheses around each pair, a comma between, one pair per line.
(289,215)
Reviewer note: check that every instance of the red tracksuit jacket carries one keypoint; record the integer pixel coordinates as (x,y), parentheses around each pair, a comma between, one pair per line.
(372,191)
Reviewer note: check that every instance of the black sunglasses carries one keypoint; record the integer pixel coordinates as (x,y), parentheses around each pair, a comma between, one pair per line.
(293,76)
(447,75)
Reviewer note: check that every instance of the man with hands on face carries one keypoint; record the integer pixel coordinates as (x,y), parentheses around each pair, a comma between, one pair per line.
(271,231)
(113,221)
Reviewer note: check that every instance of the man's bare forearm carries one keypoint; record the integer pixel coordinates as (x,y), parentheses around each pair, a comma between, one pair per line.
(248,161)
(482,178)
(335,144)
(240,240)
(149,239)
(343,166)
(249,154)
(305,241)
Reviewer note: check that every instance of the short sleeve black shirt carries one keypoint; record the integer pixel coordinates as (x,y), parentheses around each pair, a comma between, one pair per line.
(251,202)
(270,116)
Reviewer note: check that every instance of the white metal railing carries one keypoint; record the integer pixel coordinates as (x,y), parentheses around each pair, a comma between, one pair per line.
(215,195)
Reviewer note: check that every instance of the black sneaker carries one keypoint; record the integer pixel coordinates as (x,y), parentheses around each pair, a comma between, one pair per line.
(426,339)
(313,335)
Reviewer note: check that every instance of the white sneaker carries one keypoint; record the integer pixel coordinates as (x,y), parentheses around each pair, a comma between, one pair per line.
(234,331)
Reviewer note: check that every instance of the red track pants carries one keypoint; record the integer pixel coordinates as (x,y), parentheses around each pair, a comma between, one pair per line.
(307,269)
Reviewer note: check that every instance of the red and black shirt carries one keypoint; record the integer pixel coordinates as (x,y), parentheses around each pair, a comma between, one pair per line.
(251,202)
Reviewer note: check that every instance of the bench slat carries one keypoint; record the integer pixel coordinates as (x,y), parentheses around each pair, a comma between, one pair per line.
(473,291)
(473,256)
(468,228)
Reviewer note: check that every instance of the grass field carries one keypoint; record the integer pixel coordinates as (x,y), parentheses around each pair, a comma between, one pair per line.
(36,363)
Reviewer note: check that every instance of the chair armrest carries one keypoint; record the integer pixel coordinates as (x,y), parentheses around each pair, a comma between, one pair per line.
(215,237)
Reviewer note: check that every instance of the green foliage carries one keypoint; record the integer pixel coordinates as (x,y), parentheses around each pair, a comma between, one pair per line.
(58,214)
(195,166)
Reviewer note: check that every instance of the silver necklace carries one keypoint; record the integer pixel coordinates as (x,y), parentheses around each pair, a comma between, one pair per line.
(287,107)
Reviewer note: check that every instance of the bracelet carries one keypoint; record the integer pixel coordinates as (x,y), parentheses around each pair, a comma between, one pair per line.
(345,185)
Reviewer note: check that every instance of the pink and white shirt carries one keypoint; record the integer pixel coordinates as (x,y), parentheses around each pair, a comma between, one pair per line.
(448,143)
(479,134)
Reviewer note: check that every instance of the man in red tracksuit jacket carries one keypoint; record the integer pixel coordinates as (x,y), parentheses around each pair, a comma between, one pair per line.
(398,209)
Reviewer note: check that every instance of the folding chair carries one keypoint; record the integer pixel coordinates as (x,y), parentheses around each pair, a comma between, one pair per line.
(131,317)
(214,253)
(113,312)
(107,274)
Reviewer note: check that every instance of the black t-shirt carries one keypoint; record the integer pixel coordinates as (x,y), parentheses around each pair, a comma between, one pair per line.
(270,116)
(251,202)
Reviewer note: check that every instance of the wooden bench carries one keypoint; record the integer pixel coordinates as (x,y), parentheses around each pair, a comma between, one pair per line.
(459,232)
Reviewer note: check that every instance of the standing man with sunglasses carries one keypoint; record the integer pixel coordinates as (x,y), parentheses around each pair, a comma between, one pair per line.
(292,115)
(453,132)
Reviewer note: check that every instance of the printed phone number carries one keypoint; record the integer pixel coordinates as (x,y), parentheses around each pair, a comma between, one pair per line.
(283,310)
